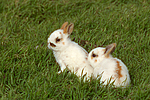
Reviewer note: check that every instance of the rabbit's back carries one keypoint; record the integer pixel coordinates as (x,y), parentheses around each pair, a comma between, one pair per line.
(114,69)
(123,77)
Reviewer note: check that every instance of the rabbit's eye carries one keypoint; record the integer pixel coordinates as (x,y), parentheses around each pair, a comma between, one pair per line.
(57,39)
(94,55)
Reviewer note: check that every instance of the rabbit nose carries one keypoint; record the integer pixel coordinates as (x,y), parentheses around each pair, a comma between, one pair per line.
(53,45)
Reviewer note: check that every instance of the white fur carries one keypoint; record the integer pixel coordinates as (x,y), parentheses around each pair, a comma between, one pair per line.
(107,68)
(69,54)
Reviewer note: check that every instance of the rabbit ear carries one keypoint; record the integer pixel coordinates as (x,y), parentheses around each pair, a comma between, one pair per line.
(110,49)
(68,30)
(64,25)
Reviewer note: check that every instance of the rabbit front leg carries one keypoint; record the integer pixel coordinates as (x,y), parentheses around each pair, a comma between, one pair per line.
(62,66)
(59,60)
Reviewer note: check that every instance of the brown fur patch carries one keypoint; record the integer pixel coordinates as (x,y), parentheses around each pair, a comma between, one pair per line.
(83,61)
(95,60)
(66,30)
(64,25)
(63,43)
(107,56)
(104,50)
(59,32)
(112,78)
(118,70)
(86,58)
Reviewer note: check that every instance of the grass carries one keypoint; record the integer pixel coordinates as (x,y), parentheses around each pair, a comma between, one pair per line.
(28,69)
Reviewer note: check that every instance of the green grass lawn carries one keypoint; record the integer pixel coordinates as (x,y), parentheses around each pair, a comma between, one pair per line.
(28,69)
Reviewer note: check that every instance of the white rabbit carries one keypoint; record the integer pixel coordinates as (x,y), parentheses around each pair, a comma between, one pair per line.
(69,54)
(108,68)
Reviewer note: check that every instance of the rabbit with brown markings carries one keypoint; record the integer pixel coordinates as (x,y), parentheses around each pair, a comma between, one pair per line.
(69,54)
(111,70)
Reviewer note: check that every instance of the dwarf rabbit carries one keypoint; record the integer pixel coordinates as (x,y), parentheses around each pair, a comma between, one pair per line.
(111,70)
(69,54)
